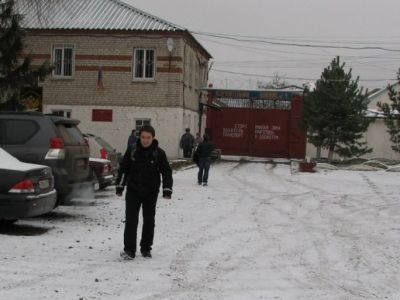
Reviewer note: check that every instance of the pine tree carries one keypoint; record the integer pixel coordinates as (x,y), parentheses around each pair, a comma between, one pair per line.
(16,72)
(334,113)
(392,114)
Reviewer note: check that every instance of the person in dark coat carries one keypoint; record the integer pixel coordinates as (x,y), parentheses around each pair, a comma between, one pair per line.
(203,153)
(132,140)
(187,144)
(140,170)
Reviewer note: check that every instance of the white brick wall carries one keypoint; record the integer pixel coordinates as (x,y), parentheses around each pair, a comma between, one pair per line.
(169,124)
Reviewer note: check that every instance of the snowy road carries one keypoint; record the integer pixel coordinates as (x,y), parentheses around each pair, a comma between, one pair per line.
(257,232)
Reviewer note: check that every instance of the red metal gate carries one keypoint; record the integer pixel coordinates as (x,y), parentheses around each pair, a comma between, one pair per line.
(257,123)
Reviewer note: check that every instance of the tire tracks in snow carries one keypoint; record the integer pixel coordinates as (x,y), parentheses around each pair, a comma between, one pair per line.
(193,288)
(316,238)
(360,258)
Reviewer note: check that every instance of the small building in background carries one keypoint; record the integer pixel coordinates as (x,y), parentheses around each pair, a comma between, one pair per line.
(376,136)
(117,68)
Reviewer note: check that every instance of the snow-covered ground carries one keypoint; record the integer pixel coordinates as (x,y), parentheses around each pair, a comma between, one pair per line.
(257,232)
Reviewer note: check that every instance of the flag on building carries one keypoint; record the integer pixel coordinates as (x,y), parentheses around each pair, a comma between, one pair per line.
(100,85)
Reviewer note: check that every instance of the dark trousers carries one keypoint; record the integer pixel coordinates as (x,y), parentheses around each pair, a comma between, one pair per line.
(204,168)
(133,203)
(187,152)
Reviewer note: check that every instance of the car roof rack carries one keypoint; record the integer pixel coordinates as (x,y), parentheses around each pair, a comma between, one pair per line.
(63,120)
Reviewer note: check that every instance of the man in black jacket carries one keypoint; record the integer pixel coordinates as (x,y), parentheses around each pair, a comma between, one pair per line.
(203,152)
(187,144)
(140,170)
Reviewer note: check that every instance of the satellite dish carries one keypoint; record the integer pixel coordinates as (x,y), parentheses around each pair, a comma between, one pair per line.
(170,44)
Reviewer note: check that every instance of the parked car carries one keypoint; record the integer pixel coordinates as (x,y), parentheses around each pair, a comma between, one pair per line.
(48,140)
(26,190)
(102,175)
(99,148)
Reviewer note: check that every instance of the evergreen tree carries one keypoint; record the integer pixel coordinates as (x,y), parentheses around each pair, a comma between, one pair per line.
(392,114)
(16,72)
(334,113)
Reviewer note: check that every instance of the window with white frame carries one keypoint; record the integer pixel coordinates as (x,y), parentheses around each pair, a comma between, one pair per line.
(144,67)
(67,113)
(142,122)
(63,60)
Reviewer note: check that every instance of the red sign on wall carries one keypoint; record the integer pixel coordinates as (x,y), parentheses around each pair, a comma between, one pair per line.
(102,115)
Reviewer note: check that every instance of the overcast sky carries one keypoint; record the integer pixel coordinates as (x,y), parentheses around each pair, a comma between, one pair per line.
(355,23)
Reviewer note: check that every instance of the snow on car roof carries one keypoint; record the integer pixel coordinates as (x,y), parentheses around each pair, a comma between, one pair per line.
(100,160)
(9,162)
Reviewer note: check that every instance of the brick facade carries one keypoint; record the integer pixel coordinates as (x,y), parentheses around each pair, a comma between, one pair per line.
(177,81)
(171,100)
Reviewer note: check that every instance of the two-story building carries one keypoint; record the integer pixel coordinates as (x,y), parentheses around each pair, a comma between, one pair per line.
(117,68)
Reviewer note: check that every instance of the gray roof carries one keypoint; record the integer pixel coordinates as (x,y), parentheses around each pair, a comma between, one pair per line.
(384,90)
(89,15)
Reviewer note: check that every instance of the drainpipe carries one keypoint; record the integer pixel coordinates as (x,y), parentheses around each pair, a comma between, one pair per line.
(183,80)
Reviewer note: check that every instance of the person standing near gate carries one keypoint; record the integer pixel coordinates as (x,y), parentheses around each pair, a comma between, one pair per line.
(141,169)
(132,139)
(187,144)
(203,152)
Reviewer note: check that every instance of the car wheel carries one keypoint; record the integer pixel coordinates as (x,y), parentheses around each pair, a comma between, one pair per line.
(103,186)
(7,222)
(64,199)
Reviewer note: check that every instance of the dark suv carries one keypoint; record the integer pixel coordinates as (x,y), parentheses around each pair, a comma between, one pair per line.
(47,140)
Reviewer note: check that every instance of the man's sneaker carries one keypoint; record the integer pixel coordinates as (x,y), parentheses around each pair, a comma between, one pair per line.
(205,184)
(127,255)
(199,183)
(146,254)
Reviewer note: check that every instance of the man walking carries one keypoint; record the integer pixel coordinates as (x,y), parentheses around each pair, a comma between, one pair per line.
(141,169)
(204,151)
(187,144)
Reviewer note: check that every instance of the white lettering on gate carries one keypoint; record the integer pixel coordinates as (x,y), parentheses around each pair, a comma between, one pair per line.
(267,132)
(236,132)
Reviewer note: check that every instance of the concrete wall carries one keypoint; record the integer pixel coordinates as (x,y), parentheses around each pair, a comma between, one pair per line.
(168,122)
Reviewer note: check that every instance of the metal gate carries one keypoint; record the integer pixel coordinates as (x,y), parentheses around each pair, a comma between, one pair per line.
(256,123)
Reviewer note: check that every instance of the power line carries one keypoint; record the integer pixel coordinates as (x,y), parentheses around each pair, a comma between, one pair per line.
(250,39)
(259,50)
(299,39)
(292,78)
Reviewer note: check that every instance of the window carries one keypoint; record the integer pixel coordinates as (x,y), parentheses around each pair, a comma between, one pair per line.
(144,65)
(63,60)
(61,113)
(18,132)
(70,134)
(142,122)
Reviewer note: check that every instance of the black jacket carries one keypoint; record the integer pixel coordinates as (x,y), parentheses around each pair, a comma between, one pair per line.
(187,141)
(205,149)
(140,170)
